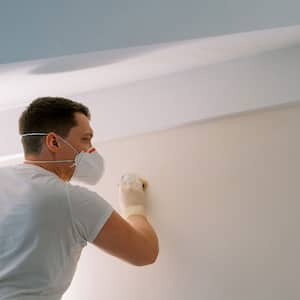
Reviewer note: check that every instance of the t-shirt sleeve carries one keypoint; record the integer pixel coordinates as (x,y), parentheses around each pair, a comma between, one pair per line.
(89,212)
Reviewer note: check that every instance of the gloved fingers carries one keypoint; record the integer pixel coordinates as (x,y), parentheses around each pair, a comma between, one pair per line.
(144,183)
(133,181)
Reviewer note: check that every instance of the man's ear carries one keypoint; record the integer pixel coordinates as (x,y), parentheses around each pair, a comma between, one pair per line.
(51,142)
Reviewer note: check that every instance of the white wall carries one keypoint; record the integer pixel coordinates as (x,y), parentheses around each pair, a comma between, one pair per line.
(224,198)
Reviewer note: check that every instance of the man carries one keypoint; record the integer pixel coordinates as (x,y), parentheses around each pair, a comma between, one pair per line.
(45,221)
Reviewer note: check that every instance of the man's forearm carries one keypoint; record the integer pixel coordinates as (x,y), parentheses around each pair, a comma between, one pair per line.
(141,225)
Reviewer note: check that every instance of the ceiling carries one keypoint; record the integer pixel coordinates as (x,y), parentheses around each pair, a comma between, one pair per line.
(34,29)
(84,73)
(160,82)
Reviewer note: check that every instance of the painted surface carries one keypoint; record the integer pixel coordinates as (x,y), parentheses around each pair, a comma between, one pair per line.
(224,198)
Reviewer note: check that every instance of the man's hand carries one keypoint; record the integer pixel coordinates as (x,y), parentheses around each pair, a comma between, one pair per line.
(132,195)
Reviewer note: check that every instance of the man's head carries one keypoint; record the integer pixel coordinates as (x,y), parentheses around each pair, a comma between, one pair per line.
(61,119)
(48,114)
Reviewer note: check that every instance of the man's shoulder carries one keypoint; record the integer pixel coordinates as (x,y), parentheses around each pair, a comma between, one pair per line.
(76,189)
(36,177)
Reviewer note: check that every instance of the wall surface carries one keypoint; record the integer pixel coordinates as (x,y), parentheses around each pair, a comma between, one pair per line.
(224,198)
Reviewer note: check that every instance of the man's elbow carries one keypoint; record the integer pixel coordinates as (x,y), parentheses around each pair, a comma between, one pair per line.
(153,257)
(148,260)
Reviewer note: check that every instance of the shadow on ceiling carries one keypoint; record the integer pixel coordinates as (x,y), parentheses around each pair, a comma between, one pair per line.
(90,60)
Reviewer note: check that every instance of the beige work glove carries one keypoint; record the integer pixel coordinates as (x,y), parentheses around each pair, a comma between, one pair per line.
(132,195)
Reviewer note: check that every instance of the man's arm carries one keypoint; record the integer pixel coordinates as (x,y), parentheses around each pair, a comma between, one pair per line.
(132,239)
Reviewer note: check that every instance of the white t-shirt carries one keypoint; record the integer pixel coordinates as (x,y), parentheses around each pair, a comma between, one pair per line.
(44,224)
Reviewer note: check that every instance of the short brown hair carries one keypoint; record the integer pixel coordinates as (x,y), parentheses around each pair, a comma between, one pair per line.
(45,115)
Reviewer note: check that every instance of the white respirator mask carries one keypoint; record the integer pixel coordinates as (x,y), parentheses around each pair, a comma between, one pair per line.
(89,166)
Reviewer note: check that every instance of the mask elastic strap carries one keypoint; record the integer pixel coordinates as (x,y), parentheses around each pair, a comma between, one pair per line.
(68,144)
(74,163)
(37,133)
(43,134)
(50,161)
